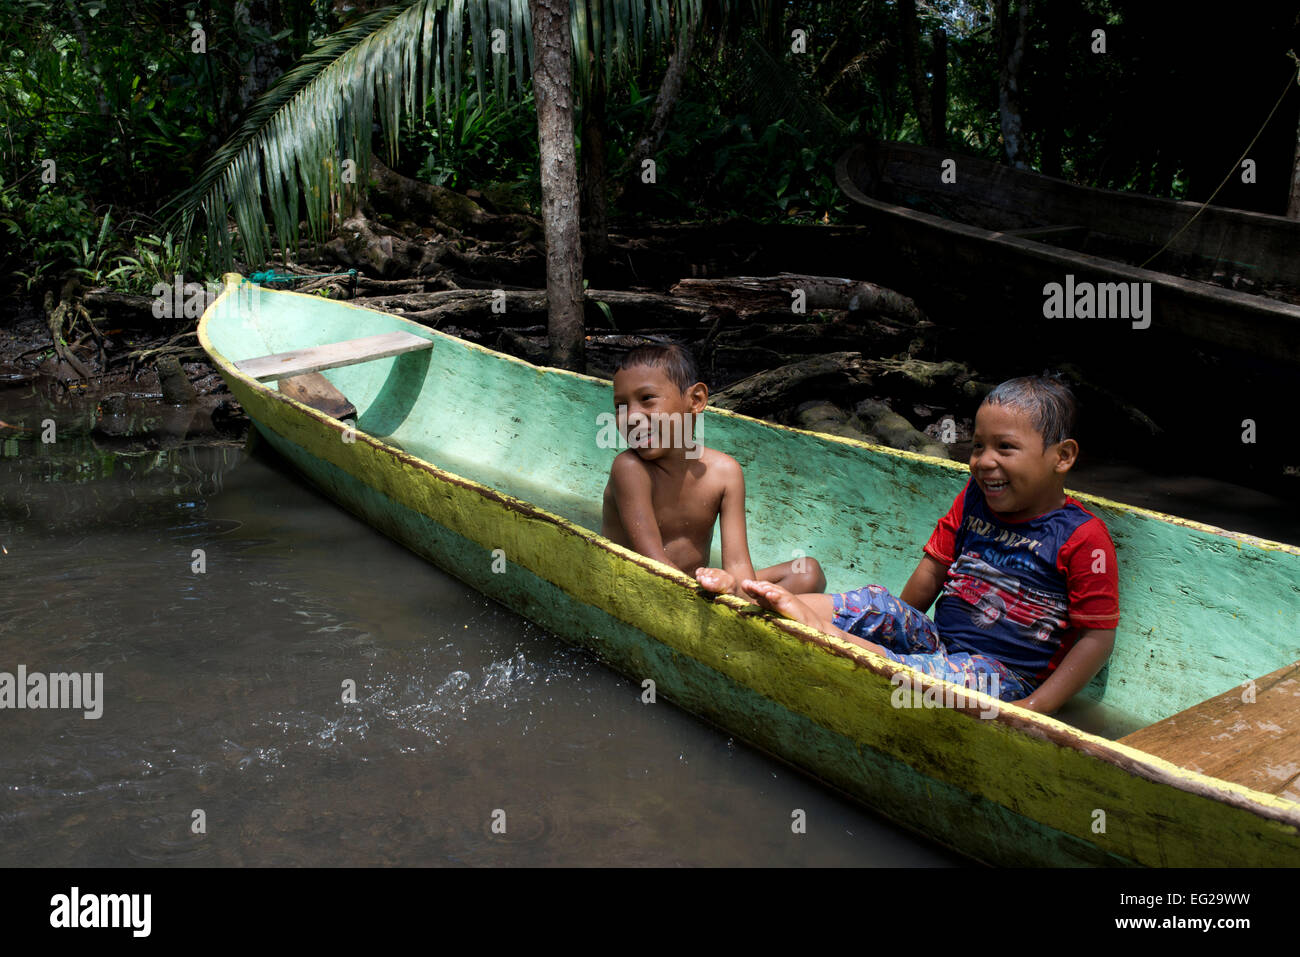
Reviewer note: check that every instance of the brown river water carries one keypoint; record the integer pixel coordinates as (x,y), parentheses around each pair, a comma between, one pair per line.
(222,694)
(222,690)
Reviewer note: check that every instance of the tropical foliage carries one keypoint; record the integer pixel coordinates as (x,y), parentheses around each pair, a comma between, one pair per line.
(117,97)
(309,137)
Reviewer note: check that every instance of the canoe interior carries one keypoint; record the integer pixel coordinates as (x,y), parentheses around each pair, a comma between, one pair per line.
(1202,610)
(1127,227)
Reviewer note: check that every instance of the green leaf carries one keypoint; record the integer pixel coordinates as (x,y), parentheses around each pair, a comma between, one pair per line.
(387,65)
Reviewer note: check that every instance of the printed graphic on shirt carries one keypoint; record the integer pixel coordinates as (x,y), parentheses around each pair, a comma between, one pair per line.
(994,596)
(1000,536)
(1005,594)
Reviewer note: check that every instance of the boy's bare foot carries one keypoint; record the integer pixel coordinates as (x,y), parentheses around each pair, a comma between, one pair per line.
(815,611)
(780,600)
(716,580)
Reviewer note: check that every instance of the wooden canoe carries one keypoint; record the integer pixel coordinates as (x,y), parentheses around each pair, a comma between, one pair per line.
(459,452)
(1002,235)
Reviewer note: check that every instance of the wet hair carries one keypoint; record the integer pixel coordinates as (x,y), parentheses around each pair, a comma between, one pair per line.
(1047,401)
(676,361)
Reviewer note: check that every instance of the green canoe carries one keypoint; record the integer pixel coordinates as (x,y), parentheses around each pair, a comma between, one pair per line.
(493,469)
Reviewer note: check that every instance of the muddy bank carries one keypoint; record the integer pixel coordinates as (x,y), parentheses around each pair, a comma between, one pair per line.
(132,391)
(802,325)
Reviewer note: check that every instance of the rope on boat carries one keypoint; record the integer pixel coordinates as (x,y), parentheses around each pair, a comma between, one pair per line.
(1236,166)
(271,276)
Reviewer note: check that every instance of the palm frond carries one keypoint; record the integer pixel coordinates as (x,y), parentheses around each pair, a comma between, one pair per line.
(389,64)
(294,137)
(771,90)
(294,142)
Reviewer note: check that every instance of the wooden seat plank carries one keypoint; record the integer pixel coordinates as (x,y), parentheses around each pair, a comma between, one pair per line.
(315,390)
(1254,743)
(283,365)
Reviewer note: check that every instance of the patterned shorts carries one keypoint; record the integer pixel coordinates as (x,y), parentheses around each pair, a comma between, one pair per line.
(910,638)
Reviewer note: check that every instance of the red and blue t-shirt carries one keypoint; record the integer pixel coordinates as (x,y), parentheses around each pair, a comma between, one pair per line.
(1022,592)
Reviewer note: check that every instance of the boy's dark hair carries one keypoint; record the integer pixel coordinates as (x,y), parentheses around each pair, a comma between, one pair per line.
(676,361)
(1048,401)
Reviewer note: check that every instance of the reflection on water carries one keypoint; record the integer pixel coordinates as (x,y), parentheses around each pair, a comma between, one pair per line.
(224,697)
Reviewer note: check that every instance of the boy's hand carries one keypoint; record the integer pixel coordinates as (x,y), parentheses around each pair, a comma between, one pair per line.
(731,522)
(1076,669)
(716,580)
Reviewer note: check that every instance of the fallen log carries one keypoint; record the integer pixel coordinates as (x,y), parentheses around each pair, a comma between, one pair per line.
(949,383)
(878,337)
(935,383)
(418,301)
(634,310)
(523,265)
(837,375)
(113,304)
(372,286)
(503,307)
(748,295)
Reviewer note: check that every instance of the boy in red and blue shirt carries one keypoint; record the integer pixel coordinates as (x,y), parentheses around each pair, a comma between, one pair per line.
(1025,576)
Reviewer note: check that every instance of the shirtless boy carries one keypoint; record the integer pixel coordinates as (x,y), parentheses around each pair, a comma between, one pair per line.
(1025,576)
(666,491)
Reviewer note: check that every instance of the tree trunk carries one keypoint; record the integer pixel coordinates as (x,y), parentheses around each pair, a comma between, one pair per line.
(1293,204)
(772,25)
(1011,47)
(1052,127)
(670,91)
(915,71)
(553,89)
(83,38)
(594,207)
(264,65)
(939,92)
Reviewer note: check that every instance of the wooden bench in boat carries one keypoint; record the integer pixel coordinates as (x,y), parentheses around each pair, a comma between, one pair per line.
(1254,743)
(284,365)
(299,371)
